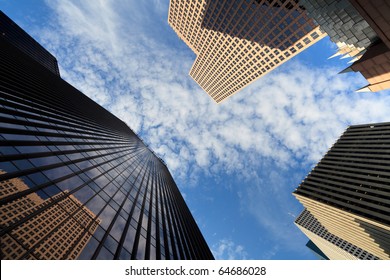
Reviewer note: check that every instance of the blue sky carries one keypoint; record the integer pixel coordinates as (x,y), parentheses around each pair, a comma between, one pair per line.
(236,163)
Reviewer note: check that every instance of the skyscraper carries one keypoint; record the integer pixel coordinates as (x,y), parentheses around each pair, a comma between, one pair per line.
(348,192)
(236,42)
(24,42)
(361,29)
(341,21)
(327,245)
(70,167)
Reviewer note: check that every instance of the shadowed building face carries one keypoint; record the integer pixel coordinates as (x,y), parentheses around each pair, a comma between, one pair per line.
(236,42)
(361,29)
(80,170)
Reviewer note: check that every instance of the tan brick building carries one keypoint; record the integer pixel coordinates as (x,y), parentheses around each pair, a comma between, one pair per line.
(332,246)
(59,231)
(237,42)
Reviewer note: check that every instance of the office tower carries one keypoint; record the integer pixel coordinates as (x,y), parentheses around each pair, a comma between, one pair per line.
(236,42)
(80,171)
(361,29)
(374,65)
(327,245)
(348,191)
(24,42)
(341,21)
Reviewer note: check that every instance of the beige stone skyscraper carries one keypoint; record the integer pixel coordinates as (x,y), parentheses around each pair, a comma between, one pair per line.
(236,42)
(348,191)
(332,246)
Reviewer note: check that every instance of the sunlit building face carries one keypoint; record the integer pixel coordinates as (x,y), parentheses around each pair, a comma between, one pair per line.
(237,42)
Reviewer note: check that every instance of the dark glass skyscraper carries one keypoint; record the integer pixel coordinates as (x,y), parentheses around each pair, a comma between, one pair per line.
(75,181)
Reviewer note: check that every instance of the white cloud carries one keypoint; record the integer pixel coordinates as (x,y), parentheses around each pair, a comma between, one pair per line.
(124,55)
(110,50)
(226,249)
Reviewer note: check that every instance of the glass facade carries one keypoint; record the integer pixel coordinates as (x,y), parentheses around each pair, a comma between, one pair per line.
(20,39)
(67,163)
(341,21)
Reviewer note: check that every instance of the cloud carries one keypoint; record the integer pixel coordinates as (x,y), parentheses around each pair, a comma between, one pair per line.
(124,55)
(226,249)
(113,53)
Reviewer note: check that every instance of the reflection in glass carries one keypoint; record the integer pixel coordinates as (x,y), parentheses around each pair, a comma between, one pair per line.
(61,189)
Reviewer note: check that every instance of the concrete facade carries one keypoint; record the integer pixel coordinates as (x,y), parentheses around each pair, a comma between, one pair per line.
(332,246)
(348,190)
